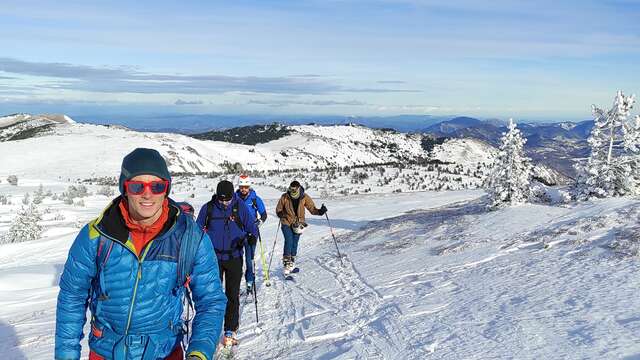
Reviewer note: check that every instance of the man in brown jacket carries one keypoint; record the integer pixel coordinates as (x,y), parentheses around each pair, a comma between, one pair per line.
(291,212)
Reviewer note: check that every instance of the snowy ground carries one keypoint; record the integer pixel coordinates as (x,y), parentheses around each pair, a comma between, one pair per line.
(425,275)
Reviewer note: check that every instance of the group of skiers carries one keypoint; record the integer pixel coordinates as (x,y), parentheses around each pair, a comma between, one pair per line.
(138,263)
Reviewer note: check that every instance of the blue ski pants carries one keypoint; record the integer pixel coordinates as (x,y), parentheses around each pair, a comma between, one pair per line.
(290,241)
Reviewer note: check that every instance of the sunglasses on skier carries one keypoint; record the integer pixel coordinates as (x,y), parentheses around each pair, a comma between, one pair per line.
(138,187)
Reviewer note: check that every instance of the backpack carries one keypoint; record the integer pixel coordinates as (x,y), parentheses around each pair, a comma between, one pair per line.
(234,214)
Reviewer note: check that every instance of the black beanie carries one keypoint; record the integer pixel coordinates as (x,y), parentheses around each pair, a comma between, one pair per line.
(294,183)
(224,191)
(143,162)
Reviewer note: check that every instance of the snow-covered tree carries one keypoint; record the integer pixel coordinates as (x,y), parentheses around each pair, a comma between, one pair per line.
(25,226)
(612,165)
(12,179)
(508,182)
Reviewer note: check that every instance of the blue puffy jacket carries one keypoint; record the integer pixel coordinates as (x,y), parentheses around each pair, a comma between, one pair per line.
(253,201)
(228,238)
(137,303)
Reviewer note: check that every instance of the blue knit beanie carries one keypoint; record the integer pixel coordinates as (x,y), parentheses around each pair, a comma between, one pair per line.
(143,162)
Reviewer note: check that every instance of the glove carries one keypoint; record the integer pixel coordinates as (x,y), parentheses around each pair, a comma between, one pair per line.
(323,210)
(251,239)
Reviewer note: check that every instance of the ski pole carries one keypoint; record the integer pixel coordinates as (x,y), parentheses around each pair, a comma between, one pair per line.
(275,240)
(255,290)
(334,238)
(265,273)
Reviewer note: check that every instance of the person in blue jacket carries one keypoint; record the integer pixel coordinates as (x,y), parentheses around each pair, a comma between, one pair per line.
(256,207)
(126,266)
(231,226)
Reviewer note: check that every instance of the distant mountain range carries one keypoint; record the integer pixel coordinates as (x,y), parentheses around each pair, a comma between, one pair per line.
(556,145)
(199,123)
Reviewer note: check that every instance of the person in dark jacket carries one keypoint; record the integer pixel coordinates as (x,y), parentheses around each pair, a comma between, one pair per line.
(231,227)
(256,207)
(291,209)
(124,265)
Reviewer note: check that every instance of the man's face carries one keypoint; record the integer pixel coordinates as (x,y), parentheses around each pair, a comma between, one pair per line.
(146,206)
(224,203)
(244,190)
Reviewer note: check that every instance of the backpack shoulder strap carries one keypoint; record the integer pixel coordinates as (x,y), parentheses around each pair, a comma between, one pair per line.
(254,202)
(235,212)
(209,210)
(187,254)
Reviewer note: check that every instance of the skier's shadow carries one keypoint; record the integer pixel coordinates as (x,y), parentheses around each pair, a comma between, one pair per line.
(9,343)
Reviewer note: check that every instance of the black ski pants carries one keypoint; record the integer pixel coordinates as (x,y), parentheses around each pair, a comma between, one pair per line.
(231,273)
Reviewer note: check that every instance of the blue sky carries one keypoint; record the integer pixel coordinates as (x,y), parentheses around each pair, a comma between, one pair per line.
(528,60)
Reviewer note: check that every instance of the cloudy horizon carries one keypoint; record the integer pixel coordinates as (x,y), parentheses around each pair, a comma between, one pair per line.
(548,60)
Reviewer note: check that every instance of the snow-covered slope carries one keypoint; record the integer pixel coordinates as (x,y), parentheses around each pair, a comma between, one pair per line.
(426,275)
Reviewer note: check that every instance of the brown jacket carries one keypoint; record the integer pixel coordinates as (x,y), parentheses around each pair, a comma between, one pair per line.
(285,212)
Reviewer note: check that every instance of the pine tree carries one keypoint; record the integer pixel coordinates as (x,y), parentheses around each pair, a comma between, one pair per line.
(608,172)
(25,226)
(510,175)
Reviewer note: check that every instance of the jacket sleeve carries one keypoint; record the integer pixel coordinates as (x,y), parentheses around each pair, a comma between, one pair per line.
(73,298)
(310,205)
(248,219)
(209,301)
(261,209)
(202,215)
(280,207)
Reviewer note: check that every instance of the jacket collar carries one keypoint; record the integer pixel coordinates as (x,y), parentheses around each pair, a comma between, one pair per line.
(112,223)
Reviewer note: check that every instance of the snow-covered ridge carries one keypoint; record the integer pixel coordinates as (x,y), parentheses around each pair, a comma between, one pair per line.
(63,144)
(21,126)
(100,149)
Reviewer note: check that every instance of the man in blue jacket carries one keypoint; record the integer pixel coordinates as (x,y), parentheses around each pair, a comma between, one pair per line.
(231,226)
(133,266)
(256,207)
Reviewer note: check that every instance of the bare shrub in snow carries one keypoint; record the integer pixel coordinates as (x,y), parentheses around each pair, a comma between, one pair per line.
(25,226)
(4,200)
(26,199)
(79,191)
(106,191)
(12,179)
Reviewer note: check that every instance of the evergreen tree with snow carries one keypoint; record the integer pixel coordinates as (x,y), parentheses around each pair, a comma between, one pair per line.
(508,182)
(612,165)
(25,226)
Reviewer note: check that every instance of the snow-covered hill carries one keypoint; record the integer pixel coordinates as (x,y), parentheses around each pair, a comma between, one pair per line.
(101,149)
(43,146)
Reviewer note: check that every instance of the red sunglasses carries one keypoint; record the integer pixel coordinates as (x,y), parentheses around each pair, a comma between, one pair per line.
(137,187)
